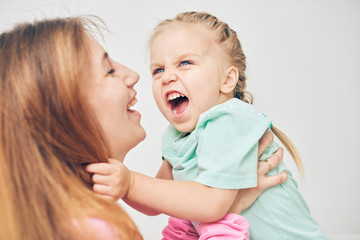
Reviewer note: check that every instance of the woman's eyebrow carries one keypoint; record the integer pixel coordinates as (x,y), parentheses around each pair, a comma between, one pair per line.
(105,56)
(105,59)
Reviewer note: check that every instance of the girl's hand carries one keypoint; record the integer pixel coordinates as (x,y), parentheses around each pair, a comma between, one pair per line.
(246,197)
(111,180)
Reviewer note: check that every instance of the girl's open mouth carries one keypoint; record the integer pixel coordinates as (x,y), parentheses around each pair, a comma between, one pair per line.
(177,102)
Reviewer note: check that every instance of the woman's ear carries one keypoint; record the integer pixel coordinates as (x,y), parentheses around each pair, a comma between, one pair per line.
(229,82)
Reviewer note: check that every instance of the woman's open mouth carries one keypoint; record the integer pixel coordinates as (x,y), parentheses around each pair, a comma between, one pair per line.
(177,102)
(130,104)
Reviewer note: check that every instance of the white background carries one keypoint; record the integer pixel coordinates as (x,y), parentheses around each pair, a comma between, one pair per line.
(303,69)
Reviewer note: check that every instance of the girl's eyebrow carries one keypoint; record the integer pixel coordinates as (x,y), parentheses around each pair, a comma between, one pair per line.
(179,58)
(186,55)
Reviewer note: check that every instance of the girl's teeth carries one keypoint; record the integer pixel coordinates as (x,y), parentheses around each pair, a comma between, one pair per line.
(174,95)
(174,111)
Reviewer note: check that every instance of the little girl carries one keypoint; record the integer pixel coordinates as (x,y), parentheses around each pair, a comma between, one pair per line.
(199,82)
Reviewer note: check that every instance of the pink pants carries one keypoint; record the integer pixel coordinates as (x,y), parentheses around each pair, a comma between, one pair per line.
(231,226)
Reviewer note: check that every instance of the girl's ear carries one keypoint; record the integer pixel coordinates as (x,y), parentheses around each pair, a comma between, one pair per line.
(229,82)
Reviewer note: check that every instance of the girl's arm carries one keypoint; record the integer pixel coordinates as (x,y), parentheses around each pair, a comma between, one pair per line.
(113,179)
(182,199)
(165,172)
(193,201)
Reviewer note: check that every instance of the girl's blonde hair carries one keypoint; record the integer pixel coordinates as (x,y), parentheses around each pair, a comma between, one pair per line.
(228,41)
(48,135)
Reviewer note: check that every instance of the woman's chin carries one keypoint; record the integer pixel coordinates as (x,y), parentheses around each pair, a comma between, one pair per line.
(139,136)
(120,150)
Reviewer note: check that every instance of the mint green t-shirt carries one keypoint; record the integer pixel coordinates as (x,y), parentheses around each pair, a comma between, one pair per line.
(222,151)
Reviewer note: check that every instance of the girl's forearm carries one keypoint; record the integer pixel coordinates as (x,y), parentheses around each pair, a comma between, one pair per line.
(141,208)
(182,199)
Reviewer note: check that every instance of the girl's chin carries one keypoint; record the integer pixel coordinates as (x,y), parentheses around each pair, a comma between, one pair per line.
(184,127)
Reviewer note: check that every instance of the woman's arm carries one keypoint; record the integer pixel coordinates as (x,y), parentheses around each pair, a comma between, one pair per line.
(246,197)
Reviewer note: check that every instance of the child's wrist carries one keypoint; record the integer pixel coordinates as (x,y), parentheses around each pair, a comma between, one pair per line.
(131,183)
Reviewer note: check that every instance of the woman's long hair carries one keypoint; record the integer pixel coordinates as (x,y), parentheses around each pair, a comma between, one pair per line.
(48,135)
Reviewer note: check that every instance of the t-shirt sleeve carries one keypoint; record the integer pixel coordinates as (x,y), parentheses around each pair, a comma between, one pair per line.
(228,148)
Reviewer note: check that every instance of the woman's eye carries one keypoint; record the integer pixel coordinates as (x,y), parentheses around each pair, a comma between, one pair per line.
(158,70)
(184,63)
(111,71)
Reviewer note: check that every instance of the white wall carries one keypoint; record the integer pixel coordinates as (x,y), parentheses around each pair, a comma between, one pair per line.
(303,69)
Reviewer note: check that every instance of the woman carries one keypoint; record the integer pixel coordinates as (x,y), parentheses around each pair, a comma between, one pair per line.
(65,104)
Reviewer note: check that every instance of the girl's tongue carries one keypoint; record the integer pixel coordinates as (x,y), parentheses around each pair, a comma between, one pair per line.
(178,105)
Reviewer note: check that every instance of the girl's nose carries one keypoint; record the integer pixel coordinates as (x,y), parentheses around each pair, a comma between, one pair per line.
(169,77)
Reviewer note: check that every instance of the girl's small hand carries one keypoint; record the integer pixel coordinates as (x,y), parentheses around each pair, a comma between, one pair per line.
(246,197)
(111,180)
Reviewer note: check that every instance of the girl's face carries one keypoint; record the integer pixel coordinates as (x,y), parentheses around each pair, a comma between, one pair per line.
(110,94)
(187,69)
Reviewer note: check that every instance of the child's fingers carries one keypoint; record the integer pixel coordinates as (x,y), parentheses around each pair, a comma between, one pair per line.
(100,168)
(102,189)
(115,161)
(106,197)
(101,179)
(264,142)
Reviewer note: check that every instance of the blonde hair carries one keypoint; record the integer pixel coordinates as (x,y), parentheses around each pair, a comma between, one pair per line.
(48,135)
(228,41)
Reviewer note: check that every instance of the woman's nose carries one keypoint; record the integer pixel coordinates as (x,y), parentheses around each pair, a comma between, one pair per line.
(168,77)
(131,77)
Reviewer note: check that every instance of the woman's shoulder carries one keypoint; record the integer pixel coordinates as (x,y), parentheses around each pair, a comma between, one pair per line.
(97,229)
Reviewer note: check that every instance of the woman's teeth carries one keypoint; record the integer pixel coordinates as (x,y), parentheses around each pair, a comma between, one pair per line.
(132,103)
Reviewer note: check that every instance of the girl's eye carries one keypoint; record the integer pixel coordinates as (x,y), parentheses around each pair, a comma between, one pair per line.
(158,70)
(184,63)
(111,71)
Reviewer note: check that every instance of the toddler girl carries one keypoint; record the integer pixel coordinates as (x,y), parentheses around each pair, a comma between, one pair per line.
(198,69)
